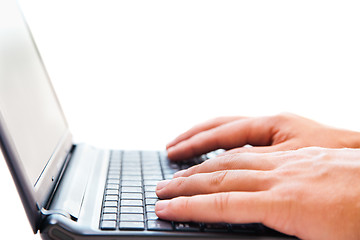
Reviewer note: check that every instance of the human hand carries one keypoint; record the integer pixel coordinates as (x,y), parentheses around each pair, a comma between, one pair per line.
(312,193)
(268,134)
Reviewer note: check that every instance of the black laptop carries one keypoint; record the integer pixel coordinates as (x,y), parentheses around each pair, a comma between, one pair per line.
(75,191)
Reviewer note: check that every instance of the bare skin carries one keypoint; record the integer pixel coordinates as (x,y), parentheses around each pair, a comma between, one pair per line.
(311,192)
(268,134)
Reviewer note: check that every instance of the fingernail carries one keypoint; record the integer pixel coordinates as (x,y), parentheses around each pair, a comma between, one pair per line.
(170,144)
(162,184)
(179,173)
(161,205)
(170,149)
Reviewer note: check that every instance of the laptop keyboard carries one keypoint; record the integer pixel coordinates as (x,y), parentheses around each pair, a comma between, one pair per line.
(129,195)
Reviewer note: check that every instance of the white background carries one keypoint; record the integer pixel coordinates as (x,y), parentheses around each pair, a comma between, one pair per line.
(134,74)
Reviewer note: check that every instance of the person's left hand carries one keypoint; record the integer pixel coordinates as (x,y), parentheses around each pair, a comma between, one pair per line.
(312,193)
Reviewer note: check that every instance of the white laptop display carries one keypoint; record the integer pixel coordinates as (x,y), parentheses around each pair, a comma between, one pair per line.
(74,191)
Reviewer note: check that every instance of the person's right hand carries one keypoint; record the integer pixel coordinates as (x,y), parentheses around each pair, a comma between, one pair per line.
(312,193)
(266,134)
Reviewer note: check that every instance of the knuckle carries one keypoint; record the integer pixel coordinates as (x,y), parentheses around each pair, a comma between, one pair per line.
(218,178)
(282,118)
(285,172)
(268,180)
(179,182)
(181,203)
(227,161)
(221,202)
(279,118)
(178,205)
(218,120)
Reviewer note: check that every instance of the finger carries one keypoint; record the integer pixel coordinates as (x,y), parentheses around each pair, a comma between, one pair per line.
(261,149)
(249,161)
(231,207)
(220,181)
(201,127)
(254,131)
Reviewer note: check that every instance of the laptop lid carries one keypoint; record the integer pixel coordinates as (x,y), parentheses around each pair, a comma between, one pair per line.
(34,135)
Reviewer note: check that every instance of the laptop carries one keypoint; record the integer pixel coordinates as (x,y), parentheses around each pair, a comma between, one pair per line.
(76,191)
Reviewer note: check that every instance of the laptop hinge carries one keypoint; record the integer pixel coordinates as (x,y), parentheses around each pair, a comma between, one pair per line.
(46,213)
(66,162)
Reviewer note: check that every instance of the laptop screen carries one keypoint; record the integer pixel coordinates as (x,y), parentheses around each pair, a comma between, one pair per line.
(28,106)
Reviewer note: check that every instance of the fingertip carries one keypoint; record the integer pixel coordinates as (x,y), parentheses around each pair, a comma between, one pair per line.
(161,209)
(161,205)
(160,185)
(176,153)
(170,153)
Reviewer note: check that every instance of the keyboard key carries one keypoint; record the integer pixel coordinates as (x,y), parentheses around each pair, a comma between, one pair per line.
(131,160)
(130,153)
(153,177)
(150,208)
(150,156)
(174,165)
(110,204)
(110,210)
(132,210)
(148,162)
(148,169)
(151,201)
(131,174)
(133,203)
(131,196)
(152,171)
(132,168)
(111,197)
(112,186)
(115,161)
(131,226)
(131,189)
(188,227)
(159,225)
(132,178)
(115,164)
(216,227)
(132,171)
(151,216)
(114,176)
(109,216)
(131,183)
(113,181)
(150,182)
(108,225)
(150,188)
(245,228)
(112,192)
(114,170)
(150,195)
(131,217)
